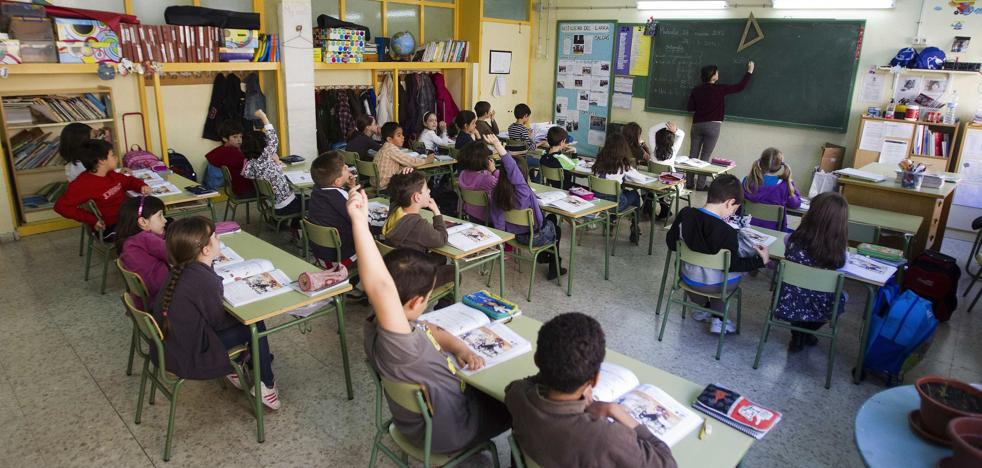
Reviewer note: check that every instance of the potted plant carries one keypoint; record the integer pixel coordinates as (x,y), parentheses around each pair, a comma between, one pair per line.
(966,440)
(944,399)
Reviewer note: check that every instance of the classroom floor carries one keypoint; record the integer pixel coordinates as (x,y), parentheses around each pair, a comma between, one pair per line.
(66,401)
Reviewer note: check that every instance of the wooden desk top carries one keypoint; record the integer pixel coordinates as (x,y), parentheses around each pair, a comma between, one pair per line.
(891,185)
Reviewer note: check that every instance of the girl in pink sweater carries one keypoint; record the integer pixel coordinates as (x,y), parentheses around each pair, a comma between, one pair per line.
(477,172)
(140,242)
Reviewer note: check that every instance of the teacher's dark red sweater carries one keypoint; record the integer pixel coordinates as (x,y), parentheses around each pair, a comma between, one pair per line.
(708,100)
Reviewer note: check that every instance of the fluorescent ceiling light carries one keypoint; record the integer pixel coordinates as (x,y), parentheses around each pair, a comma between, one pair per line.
(833,4)
(683,5)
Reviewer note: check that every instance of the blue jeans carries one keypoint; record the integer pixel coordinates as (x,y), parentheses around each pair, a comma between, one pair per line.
(239,335)
(548,233)
(627,198)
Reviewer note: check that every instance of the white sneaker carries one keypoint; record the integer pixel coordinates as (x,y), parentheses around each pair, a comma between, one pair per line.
(271,397)
(717,326)
(701,316)
(233,379)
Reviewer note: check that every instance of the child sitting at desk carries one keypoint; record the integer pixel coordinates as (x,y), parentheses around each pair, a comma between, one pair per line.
(640,154)
(100,183)
(613,163)
(230,155)
(405,228)
(705,230)
(262,163)
(554,417)
(477,172)
(197,332)
(485,119)
(667,141)
(820,241)
(362,139)
(770,183)
(391,159)
(466,123)
(434,133)
(404,350)
(514,193)
(556,138)
(140,242)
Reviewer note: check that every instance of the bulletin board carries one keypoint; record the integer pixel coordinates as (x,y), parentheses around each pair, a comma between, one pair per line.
(584,79)
(632,56)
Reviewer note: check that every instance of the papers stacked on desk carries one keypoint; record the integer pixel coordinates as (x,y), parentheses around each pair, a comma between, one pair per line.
(299,177)
(858,174)
(867,268)
(469,236)
(639,178)
(687,161)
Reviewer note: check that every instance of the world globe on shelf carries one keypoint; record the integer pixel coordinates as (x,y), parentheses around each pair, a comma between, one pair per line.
(402,46)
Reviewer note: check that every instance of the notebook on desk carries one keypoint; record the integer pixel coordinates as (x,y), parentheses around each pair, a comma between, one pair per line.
(858,174)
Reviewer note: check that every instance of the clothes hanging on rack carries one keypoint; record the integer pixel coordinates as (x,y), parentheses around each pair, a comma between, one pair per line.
(336,109)
(384,101)
(254,99)
(446,108)
(425,101)
(368,100)
(228,102)
(211,120)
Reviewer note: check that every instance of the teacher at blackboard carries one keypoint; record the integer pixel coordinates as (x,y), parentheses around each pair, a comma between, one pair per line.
(707,101)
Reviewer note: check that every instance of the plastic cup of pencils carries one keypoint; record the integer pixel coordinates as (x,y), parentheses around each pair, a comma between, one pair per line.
(911,180)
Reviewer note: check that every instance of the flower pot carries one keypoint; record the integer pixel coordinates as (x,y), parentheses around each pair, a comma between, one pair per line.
(945,399)
(966,440)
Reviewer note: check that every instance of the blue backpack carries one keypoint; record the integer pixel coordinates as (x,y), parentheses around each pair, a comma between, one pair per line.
(931,58)
(901,330)
(213,178)
(905,57)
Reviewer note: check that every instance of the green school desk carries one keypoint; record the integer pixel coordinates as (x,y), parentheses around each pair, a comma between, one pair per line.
(250,247)
(187,202)
(580,220)
(464,260)
(928,203)
(904,224)
(776,251)
(724,447)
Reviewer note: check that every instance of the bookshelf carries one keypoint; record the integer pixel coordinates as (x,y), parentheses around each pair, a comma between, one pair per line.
(31,157)
(867,146)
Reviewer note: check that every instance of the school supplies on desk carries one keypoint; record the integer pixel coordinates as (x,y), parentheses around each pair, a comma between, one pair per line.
(665,417)
(298,177)
(158,189)
(571,204)
(865,267)
(858,174)
(671,178)
(722,162)
(200,191)
(252,280)
(493,305)
(690,162)
(312,283)
(639,179)
(880,252)
(459,318)
(736,411)
(467,236)
(443,157)
(548,197)
(494,342)
(293,159)
(582,193)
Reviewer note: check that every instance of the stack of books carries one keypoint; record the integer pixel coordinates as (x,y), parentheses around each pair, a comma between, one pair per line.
(931,143)
(56,108)
(195,44)
(341,45)
(238,45)
(445,51)
(45,196)
(33,149)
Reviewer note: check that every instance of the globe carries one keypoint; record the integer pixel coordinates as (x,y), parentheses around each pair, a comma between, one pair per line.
(402,46)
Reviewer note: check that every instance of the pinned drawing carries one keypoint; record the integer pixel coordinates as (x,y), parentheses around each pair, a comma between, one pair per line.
(758,34)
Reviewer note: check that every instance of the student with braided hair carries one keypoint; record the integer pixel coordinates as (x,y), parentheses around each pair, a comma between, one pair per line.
(197,330)
(770,183)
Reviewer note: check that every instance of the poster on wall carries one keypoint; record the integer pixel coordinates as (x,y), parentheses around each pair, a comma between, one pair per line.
(585,64)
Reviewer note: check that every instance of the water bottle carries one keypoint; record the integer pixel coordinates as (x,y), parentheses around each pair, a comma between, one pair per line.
(949,116)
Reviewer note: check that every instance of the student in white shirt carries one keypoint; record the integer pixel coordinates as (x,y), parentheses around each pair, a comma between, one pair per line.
(666,143)
(614,163)
(434,134)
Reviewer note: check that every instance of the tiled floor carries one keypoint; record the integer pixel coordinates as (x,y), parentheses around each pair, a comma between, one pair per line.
(65,400)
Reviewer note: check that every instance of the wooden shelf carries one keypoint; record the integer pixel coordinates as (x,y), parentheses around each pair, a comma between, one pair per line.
(55,124)
(218,66)
(40,170)
(392,66)
(914,71)
(52,68)
(928,156)
(914,122)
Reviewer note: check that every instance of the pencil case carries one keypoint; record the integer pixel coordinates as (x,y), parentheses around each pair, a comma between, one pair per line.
(582,193)
(881,252)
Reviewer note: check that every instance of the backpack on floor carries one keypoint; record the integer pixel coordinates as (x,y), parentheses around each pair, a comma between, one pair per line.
(213,178)
(901,331)
(934,276)
(181,166)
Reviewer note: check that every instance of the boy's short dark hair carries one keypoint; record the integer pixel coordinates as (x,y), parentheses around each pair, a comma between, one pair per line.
(482,108)
(522,111)
(326,168)
(474,156)
(389,130)
(412,271)
(91,151)
(556,135)
(725,187)
(253,144)
(228,128)
(569,351)
(402,187)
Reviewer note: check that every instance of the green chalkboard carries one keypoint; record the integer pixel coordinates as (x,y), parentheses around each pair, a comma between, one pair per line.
(804,77)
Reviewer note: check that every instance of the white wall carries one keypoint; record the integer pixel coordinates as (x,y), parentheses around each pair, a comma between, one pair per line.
(886,32)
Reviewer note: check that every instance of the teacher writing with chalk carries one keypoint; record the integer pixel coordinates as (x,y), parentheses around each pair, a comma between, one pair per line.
(707,102)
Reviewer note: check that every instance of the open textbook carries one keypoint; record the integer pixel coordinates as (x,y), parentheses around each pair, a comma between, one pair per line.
(639,178)
(867,268)
(665,417)
(494,342)
(298,177)
(159,187)
(467,236)
(687,161)
(248,281)
(564,201)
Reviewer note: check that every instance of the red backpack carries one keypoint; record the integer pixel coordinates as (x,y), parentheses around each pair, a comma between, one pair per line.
(934,276)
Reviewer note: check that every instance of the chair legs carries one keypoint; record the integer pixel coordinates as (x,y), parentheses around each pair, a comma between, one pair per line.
(105,270)
(134,342)
(170,421)
(81,242)
(88,258)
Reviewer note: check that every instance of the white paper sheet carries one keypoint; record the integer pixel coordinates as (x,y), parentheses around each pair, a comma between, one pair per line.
(622,101)
(572,116)
(872,86)
(598,98)
(623,84)
(909,88)
(562,105)
(564,67)
(600,83)
(583,101)
(872,137)
(893,151)
(499,86)
(972,145)
(603,67)
(898,130)
(596,137)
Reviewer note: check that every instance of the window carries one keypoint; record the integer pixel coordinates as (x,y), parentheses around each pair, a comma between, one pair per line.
(507,9)
(438,23)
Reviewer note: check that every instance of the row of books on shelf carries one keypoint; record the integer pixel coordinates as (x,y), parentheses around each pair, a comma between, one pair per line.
(445,51)
(180,44)
(34,148)
(45,197)
(54,108)
(931,143)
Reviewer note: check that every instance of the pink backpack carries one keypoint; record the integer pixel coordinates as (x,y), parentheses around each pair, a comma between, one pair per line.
(138,158)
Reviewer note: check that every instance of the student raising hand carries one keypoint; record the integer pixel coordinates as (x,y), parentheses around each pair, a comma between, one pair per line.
(494,141)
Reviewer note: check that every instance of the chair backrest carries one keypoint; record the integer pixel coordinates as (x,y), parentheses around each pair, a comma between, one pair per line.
(605,186)
(658,167)
(149,331)
(418,146)
(265,191)
(366,168)
(522,218)
(91,207)
(811,278)
(862,232)
(383,248)
(409,396)
(350,157)
(552,174)
(227,185)
(719,261)
(453,151)
(514,142)
(521,459)
(324,236)
(474,197)
(134,283)
(772,213)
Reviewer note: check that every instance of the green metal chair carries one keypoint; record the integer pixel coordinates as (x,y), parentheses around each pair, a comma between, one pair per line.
(368,174)
(527,218)
(97,242)
(974,257)
(413,398)
(863,233)
(719,261)
(439,292)
(453,151)
(418,146)
(156,372)
(324,236)
(233,200)
(350,157)
(672,197)
(267,207)
(136,288)
(521,460)
(772,213)
(477,198)
(551,174)
(612,189)
(812,279)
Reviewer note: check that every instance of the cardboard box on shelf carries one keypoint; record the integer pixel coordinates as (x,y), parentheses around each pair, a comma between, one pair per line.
(38,52)
(31,29)
(832,156)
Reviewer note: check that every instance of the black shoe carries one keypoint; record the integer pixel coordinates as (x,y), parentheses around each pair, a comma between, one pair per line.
(796,344)
(635,234)
(552,273)
(809,340)
(689,184)
(663,212)
(545,258)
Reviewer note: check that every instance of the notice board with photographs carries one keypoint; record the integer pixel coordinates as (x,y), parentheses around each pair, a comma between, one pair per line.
(584,75)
